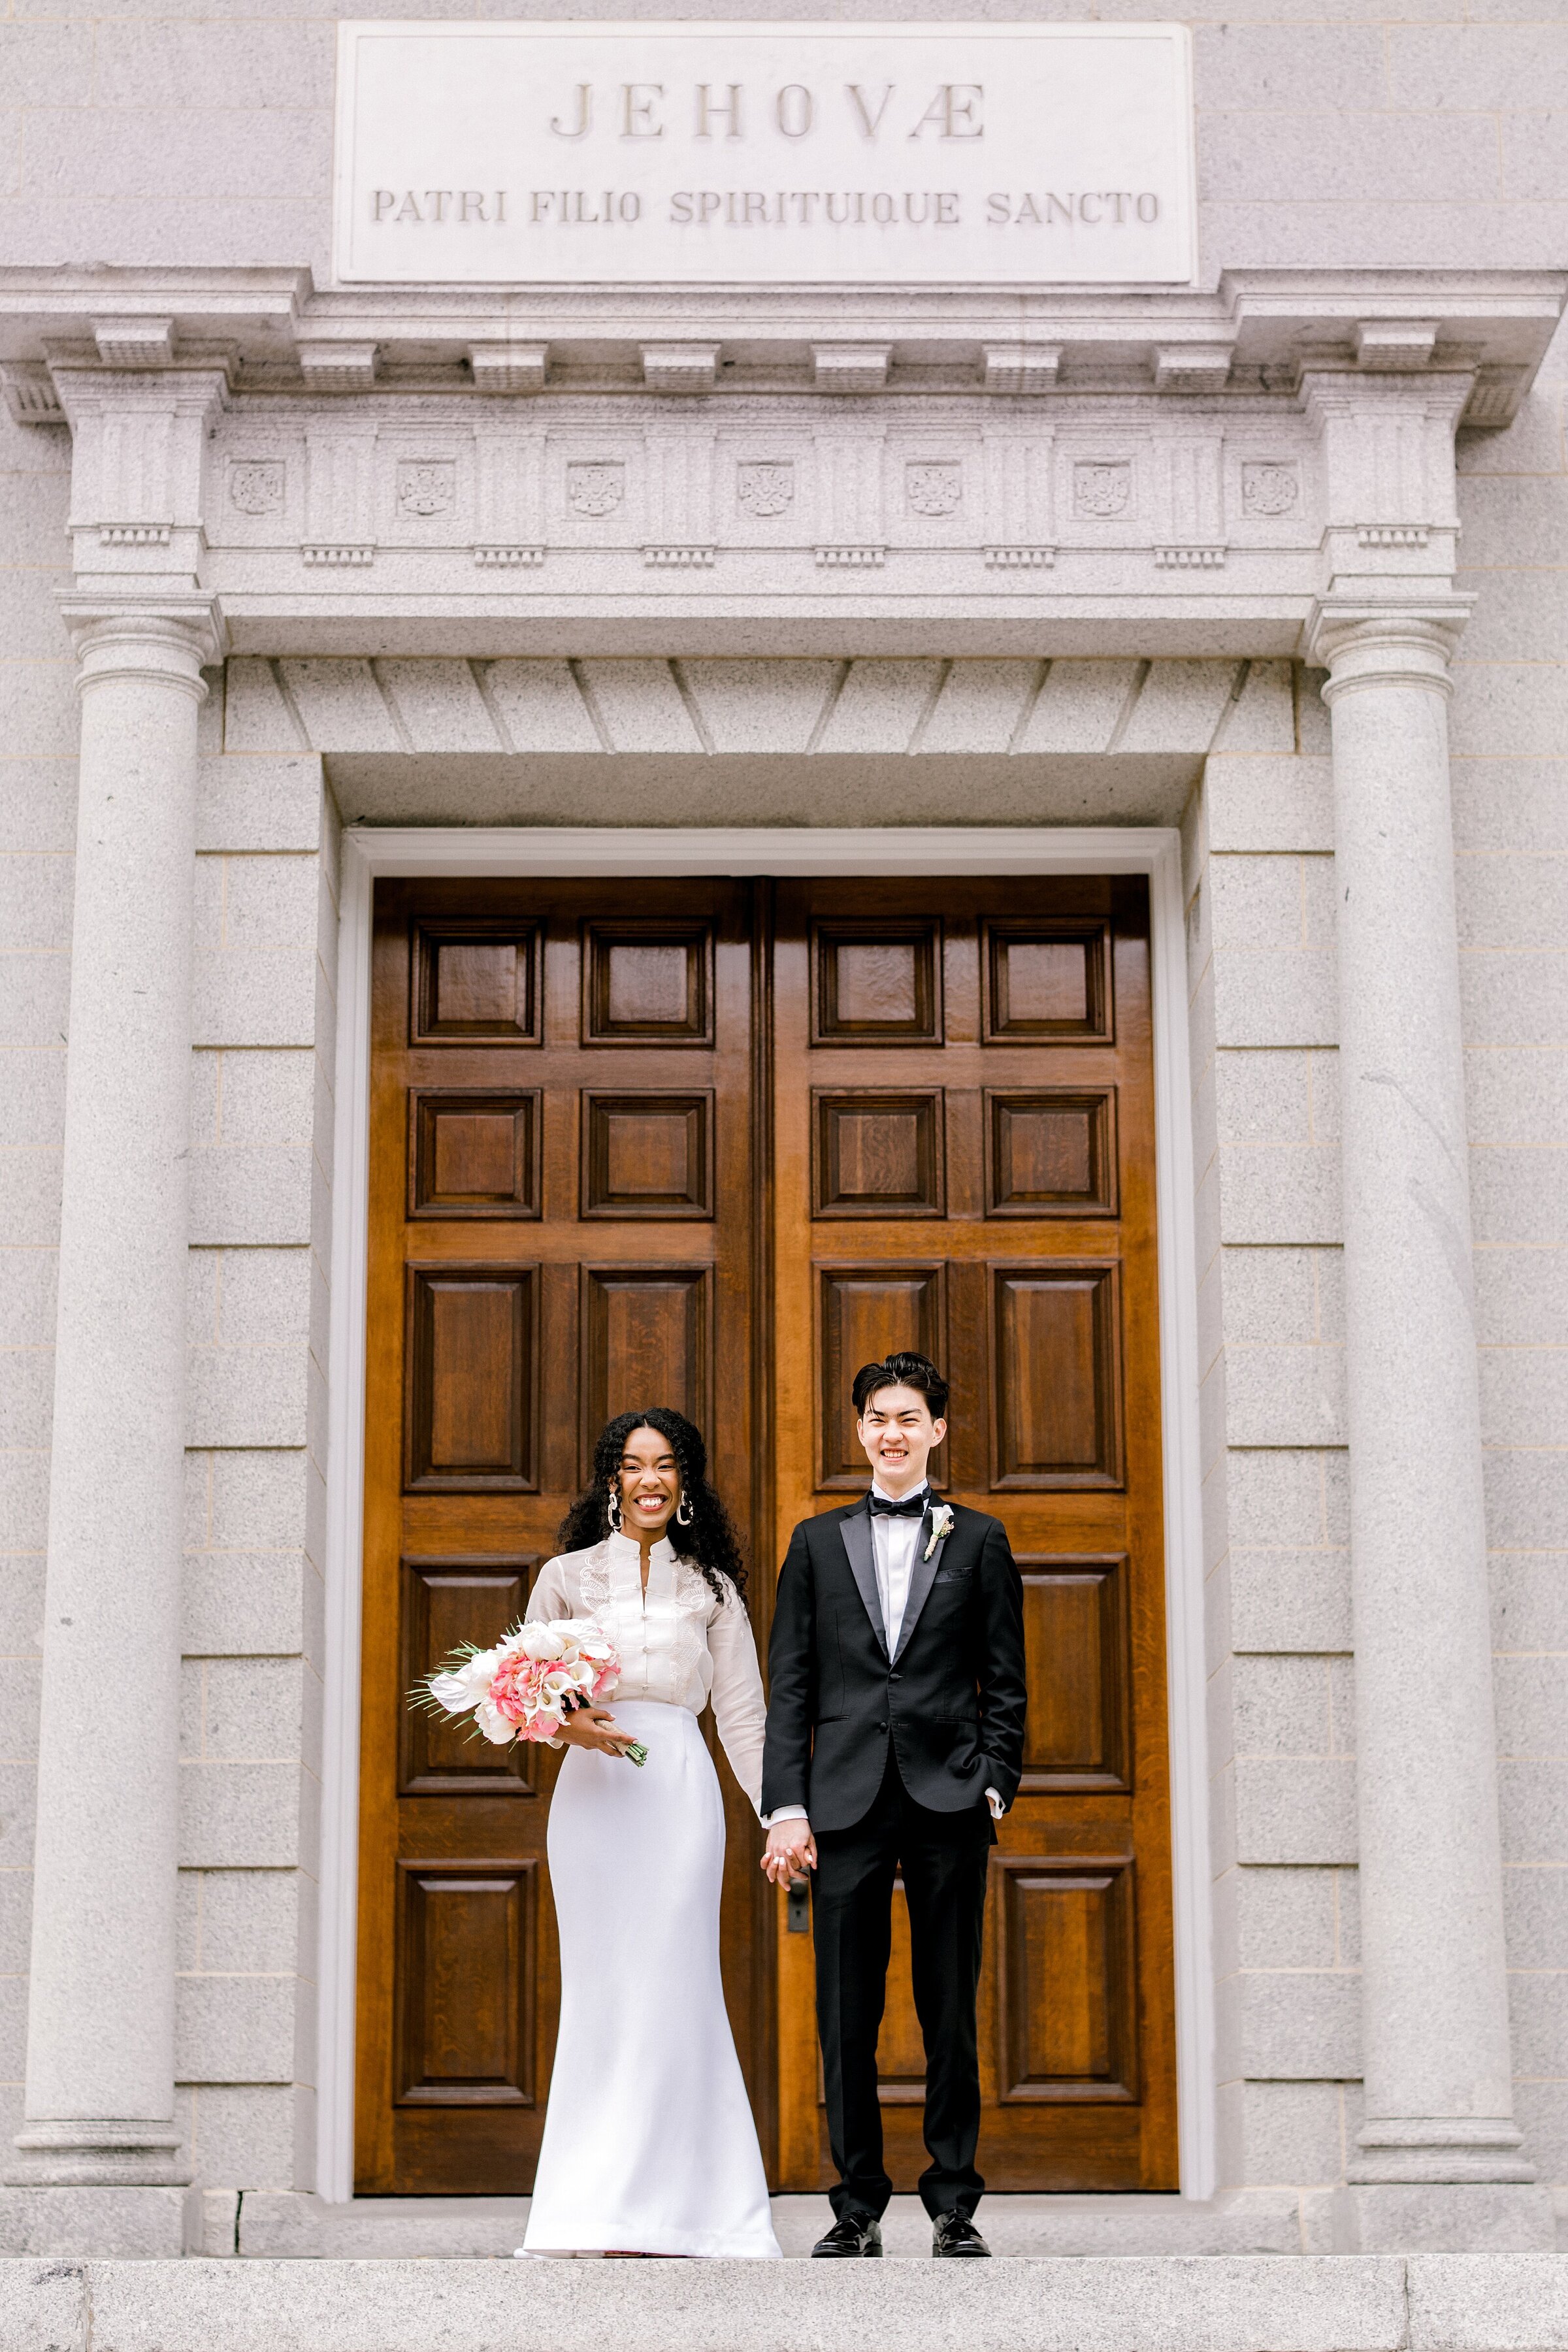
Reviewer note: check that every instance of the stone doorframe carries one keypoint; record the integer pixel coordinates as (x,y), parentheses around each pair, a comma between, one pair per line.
(1000,487)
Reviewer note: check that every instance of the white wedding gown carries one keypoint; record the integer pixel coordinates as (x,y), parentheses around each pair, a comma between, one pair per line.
(649,2146)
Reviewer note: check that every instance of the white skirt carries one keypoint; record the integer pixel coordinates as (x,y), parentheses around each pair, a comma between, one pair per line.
(649,2146)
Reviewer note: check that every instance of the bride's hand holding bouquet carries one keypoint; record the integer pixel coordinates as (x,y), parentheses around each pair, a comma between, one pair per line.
(594,1727)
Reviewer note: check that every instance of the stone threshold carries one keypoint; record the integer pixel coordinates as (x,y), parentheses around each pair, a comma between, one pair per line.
(1429,2303)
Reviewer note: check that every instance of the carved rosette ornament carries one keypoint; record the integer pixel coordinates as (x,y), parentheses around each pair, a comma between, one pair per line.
(764,489)
(933,490)
(427,486)
(256,486)
(596,489)
(1102,491)
(1269,490)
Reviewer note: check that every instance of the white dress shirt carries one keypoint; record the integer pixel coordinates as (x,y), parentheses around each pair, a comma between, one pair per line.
(894,1544)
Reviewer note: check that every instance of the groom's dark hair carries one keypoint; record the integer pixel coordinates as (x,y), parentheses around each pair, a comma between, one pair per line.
(901,1370)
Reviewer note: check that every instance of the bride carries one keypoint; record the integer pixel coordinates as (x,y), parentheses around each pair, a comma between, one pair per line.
(649,2147)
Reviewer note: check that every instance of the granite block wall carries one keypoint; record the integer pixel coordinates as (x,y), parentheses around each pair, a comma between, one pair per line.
(1258,840)
(264,1019)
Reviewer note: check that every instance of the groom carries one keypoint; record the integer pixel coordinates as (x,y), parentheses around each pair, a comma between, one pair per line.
(895,1737)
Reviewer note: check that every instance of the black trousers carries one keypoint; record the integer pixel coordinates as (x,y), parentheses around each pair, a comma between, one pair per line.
(944,1858)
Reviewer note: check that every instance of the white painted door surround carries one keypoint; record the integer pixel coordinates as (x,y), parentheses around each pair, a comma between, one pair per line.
(995,490)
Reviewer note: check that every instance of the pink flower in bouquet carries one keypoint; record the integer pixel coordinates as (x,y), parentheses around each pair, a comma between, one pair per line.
(517,1693)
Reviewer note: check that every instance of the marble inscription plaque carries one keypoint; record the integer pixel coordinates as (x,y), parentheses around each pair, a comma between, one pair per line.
(767,153)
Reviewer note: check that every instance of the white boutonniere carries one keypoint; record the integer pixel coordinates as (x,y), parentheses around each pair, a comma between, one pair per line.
(941,1528)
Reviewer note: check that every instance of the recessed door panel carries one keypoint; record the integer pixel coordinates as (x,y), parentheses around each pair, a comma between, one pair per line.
(1051,1152)
(1046,982)
(878,1154)
(476,983)
(878,982)
(647,1155)
(473,1153)
(471,1379)
(1066,1989)
(645,1340)
(445,1603)
(648,983)
(866,1312)
(1080,1725)
(1056,1375)
(466,1964)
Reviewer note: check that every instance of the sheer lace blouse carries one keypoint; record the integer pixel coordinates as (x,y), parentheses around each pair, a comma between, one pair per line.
(678,1642)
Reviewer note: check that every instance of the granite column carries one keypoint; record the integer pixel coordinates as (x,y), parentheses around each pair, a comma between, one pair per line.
(1439,2159)
(98,2149)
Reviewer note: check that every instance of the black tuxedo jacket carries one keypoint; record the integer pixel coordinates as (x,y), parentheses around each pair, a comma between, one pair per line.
(951,1699)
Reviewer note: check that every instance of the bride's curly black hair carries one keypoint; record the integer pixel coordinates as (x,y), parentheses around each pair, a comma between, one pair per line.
(709,1543)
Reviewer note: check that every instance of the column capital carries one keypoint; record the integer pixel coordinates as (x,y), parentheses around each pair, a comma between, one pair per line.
(1366,641)
(168,635)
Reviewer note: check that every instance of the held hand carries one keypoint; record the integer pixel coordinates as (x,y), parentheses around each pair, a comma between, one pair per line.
(791,1852)
(594,1727)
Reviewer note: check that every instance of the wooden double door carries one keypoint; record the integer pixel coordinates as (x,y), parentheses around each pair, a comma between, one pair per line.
(715,1143)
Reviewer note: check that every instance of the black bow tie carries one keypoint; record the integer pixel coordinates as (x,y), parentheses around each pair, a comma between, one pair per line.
(911,1507)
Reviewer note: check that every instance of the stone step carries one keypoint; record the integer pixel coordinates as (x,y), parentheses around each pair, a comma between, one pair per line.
(1430,2303)
(269,2222)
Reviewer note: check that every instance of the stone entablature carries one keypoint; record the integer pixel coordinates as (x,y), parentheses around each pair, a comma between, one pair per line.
(427,471)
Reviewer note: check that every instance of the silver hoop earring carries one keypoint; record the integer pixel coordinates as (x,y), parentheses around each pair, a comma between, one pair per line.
(615,1512)
(683,1513)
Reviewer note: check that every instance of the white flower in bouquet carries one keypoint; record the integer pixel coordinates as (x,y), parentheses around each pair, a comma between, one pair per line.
(458,1688)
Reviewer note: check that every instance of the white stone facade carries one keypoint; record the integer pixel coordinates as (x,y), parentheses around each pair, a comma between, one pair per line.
(1081,562)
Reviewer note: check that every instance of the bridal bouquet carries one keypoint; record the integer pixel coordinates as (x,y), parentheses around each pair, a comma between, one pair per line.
(526,1686)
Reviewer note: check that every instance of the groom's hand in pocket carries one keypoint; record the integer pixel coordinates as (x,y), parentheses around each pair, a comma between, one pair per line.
(791,1852)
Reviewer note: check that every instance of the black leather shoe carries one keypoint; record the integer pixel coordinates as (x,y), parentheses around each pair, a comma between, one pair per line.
(858,2233)
(956,2233)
